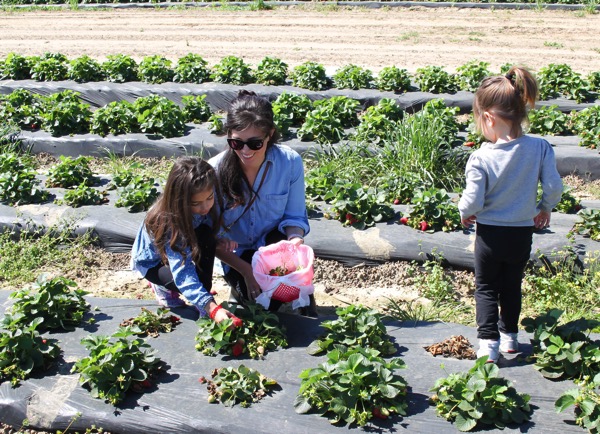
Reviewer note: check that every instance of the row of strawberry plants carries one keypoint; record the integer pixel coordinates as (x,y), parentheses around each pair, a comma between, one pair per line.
(354,385)
(63,113)
(262,4)
(556,80)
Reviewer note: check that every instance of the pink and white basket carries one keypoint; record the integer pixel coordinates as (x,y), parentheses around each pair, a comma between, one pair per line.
(294,287)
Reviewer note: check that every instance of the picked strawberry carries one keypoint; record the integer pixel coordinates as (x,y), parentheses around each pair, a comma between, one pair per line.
(237,322)
(404,220)
(423,225)
(237,350)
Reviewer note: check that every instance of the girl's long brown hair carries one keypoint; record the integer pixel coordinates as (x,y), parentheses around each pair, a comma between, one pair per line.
(507,96)
(169,221)
(247,110)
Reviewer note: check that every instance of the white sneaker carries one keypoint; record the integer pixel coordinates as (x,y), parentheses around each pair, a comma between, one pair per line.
(489,347)
(509,343)
(166,297)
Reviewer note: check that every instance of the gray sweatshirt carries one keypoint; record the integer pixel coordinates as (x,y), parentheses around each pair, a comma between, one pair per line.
(502,181)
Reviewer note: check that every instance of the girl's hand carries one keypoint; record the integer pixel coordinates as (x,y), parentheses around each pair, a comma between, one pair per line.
(542,220)
(468,221)
(253,288)
(222,314)
(226,245)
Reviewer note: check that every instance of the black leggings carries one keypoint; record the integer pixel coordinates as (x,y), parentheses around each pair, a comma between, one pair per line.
(161,274)
(236,280)
(501,254)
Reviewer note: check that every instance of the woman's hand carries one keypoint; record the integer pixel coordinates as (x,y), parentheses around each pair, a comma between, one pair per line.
(226,245)
(542,220)
(253,288)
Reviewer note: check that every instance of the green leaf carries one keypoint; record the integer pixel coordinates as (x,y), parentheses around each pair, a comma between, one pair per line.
(302,404)
(464,424)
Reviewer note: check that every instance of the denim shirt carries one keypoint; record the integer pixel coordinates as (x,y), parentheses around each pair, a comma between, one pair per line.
(280,201)
(144,256)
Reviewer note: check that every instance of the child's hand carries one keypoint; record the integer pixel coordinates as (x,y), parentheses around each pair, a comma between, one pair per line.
(542,220)
(297,241)
(226,245)
(468,221)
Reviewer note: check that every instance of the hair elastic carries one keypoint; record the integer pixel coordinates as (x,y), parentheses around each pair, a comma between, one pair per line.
(510,76)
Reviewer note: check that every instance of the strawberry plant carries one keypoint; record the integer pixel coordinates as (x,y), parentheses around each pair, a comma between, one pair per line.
(82,195)
(155,69)
(23,350)
(321,126)
(589,225)
(437,111)
(64,114)
(547,120)
(593,79)
(586,124)
(561,81)
(586,399)
(159,115)
(479,397)
(378,122)
(353,386)
(49,67)
(191,68)
(470,75)
(117,364)
(22,107)
(271,71)
(393,79)
(255,331)
(123,174)
(563,350)
(71,172)
(120,68)
(18,180)
(568,204)
(232,70)
(195,109)
(290,110)
(150,323)
(353,77)
(432,210)
(435,80)
(356,326)
(310,75)
(84,69)
(15,67)
(138,195)
(117,117)
(57,301)
(358,206)
(343,108)
(242,385)
(215,124)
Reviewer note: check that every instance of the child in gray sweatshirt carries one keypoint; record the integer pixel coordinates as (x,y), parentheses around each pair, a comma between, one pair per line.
(501,196)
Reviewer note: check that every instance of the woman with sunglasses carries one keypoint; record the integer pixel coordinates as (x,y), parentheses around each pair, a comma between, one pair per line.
(263,188)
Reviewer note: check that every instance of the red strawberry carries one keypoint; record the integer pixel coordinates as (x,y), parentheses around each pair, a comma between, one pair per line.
(44,341)
(423,225)
(237,350)
(469,144)
(213,292)
(578,207)
(174,319)
(146,383)
(396,201)
(378,414)
(202,380)
(404,220)
(237,322)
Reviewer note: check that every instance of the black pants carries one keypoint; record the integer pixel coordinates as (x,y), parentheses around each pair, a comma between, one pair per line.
(239,290)
(501,254)
(161,274)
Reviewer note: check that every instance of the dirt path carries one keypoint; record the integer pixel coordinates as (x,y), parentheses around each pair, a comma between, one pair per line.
(373,38)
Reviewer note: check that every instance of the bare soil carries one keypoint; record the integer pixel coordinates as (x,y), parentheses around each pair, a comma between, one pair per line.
(373,38)
(333,36)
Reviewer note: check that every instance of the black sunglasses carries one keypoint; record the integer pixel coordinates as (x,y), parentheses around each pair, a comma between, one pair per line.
(253,144)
